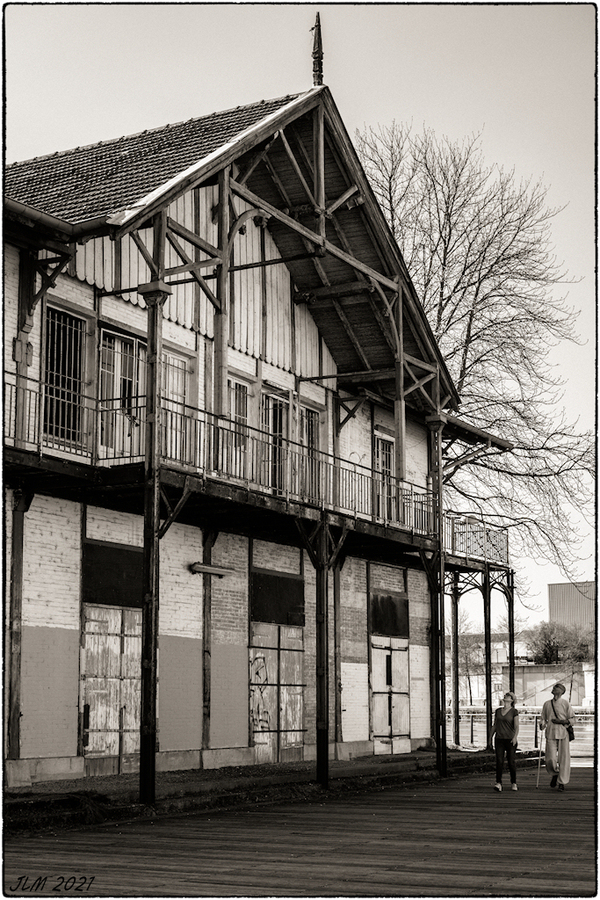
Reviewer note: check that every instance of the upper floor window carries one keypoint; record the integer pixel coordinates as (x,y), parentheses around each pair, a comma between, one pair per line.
(64,404)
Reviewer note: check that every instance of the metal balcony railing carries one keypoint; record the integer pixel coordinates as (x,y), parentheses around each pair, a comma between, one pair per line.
(54,420)
(468,538)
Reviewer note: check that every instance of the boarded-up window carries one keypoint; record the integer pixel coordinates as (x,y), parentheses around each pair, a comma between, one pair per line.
(389,615)
(277,598)
(112,574)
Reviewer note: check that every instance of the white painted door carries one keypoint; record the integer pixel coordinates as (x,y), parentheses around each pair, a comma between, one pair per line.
(390,705)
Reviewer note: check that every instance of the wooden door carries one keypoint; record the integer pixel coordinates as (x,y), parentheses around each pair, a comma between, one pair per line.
(276,692)
(390,706)
(110,688)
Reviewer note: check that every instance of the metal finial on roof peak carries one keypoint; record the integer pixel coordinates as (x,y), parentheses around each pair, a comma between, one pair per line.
(317,53)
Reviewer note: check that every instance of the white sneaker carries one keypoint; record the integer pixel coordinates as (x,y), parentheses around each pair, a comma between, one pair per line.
(497,787)
(515,788)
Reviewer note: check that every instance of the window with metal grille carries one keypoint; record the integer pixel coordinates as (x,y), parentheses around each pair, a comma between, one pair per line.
(64,379)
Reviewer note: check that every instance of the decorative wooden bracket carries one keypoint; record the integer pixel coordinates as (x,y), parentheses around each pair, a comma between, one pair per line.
(59,264)
(350,410)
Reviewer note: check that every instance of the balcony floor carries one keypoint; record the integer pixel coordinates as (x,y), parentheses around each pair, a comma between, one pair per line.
(212,504)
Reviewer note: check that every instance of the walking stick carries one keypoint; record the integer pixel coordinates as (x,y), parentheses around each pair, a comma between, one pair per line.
(537,784)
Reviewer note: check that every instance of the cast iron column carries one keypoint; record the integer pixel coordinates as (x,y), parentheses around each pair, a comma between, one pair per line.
(322,660)
(510,599)
(455,681)
(487,628)
(155,295)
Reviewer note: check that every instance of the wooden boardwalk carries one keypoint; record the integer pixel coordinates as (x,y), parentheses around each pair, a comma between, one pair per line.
(452,838)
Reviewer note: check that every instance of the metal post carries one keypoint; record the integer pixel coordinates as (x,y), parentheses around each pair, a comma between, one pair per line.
(455,682)
(487,627)
(322,661)
(510,597)
(155,295)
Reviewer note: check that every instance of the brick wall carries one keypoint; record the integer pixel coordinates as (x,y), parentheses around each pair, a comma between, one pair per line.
(230,594)
(50,648)
(277,557)
(52,563)
(419,612)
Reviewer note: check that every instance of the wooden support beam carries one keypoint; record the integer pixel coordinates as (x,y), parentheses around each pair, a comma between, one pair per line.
(343,198)
(324,551)
(296,168)
(173,513)
(319,155)
(256,160)
(145,253)
(314,238)
(487,631)
(221,326)
(196,275)
(193,238)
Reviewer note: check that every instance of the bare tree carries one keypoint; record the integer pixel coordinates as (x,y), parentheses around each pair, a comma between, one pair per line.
(477,245)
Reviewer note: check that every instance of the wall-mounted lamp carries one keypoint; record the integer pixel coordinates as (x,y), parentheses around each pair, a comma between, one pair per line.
(199,568)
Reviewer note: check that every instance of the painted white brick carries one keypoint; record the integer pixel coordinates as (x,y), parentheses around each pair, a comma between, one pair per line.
(126,314)
(180,591)
(417,456)
(420,695)
(116,527)
(52,563)
(386,578)
(75,291)
(355,438)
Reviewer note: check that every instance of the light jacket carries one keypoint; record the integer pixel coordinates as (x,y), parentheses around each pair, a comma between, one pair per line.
(564,710)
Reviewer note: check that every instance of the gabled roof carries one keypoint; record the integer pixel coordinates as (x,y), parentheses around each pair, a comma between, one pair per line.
(105,178)
(118,186)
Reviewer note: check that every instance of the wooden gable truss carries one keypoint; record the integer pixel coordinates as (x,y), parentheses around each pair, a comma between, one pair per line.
(299,176)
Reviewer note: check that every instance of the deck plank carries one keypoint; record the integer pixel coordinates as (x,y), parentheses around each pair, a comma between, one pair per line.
(451,838)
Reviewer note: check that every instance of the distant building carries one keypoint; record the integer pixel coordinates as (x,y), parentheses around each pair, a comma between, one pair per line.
(573,604)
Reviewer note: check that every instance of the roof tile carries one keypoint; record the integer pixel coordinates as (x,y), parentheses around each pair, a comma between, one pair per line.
(102,179)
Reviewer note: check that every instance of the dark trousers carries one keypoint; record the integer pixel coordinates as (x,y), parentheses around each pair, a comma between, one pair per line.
(505,745)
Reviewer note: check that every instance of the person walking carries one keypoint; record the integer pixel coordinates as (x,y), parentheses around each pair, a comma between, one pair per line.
(506,731)
(556,715)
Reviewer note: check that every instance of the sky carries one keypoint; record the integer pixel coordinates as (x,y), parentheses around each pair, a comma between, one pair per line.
(522,75)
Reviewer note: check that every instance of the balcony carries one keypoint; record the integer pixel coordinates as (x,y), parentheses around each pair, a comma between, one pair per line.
(54,421)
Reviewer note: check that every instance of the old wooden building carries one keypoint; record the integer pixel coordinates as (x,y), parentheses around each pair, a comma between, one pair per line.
(225,418)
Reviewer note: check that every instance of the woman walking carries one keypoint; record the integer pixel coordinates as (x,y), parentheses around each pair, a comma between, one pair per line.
(506,731)
(556,715)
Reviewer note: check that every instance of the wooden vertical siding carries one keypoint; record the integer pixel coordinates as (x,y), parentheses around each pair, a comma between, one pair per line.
(188,306)
(247,289)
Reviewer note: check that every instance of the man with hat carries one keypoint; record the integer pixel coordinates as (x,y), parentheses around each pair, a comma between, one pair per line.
(556,715)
